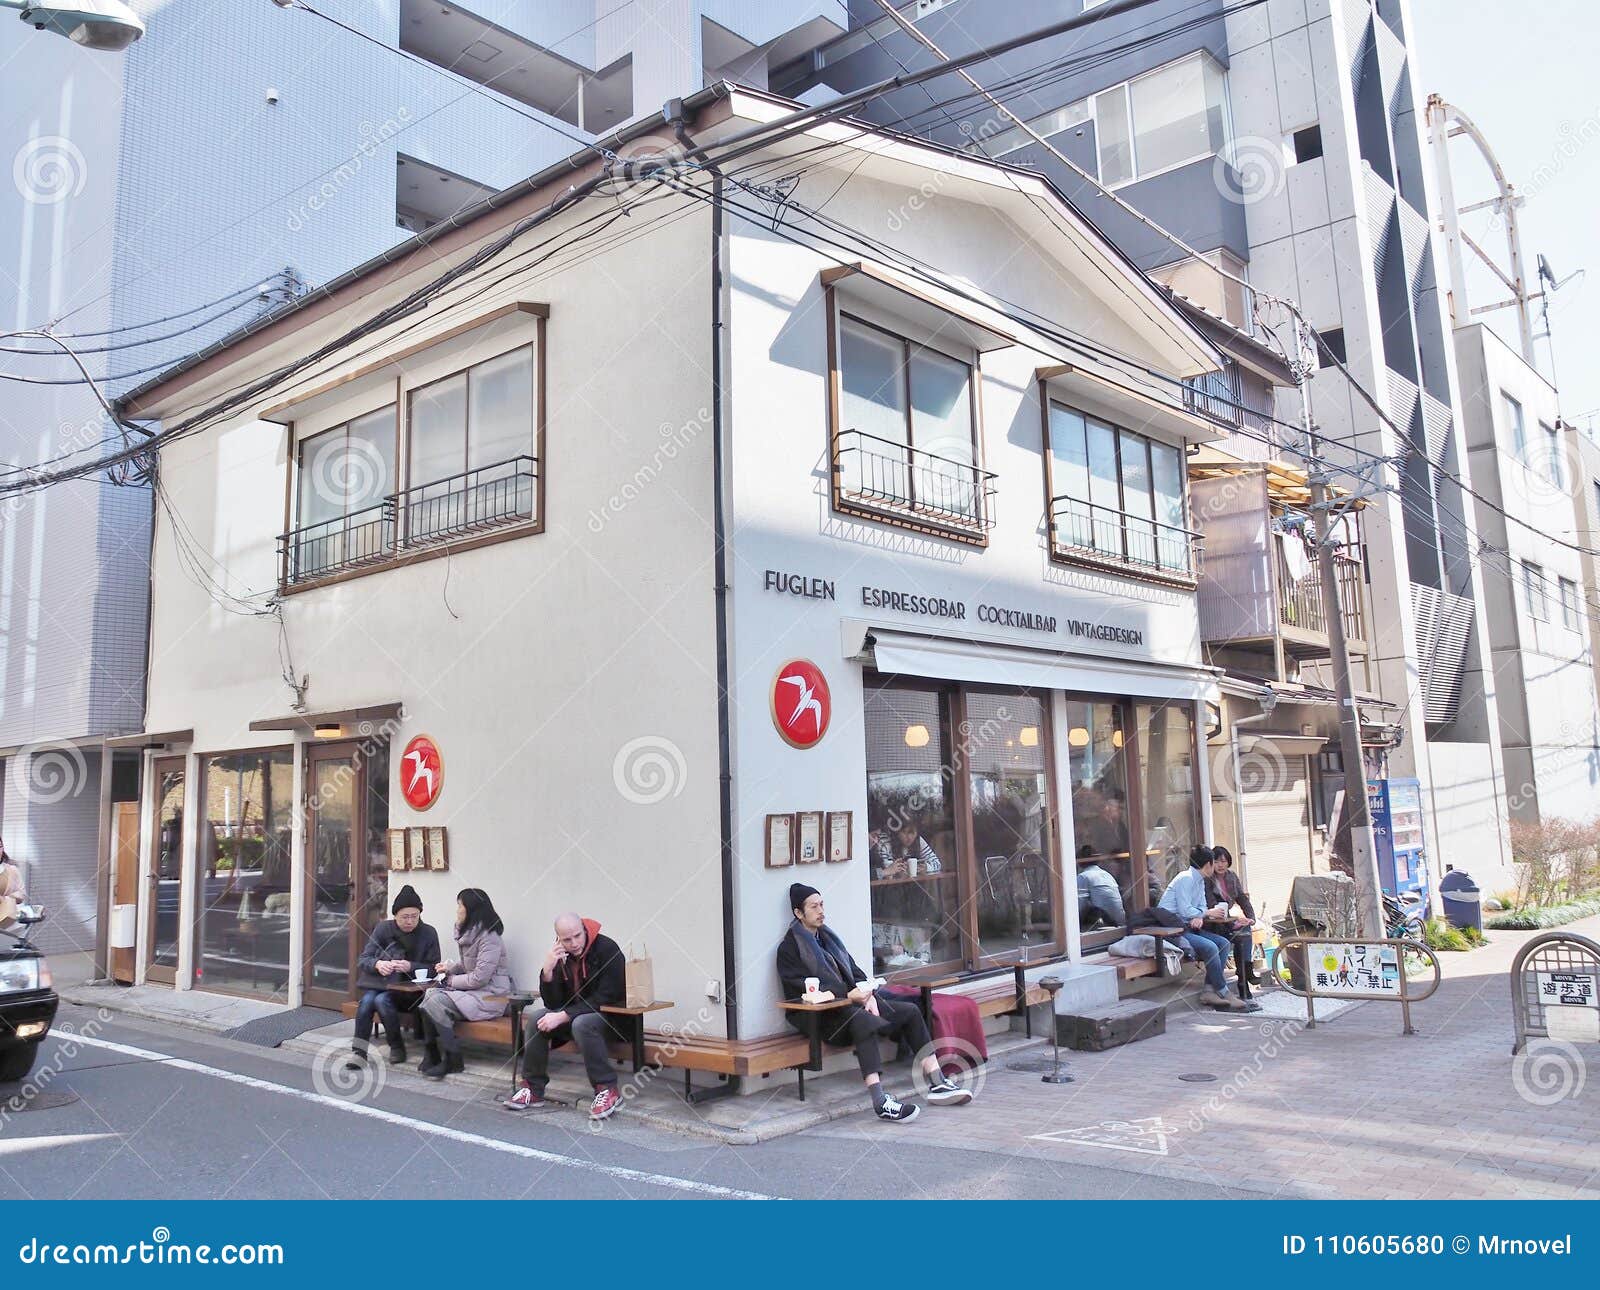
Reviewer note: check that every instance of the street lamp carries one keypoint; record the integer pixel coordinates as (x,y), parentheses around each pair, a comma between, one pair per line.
(94,24)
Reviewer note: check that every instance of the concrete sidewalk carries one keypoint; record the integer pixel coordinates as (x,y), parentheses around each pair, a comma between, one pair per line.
(1349,1109)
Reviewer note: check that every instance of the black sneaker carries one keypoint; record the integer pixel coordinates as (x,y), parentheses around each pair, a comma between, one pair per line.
(900,1112)
(947,1093)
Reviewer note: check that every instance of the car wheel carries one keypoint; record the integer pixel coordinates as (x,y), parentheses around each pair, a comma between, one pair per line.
(16,1062)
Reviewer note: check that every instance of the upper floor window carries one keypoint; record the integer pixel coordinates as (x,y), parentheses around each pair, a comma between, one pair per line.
(454,460)
(1519,429)
(1117,497)
(1550,467)
(1571,616)
(1533,590)
(1161,120)
(906,442)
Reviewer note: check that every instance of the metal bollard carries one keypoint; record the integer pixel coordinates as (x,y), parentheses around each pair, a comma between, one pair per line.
(1052,986)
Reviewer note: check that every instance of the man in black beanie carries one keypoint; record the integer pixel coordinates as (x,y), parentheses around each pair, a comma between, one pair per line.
(396,948)
(810,948)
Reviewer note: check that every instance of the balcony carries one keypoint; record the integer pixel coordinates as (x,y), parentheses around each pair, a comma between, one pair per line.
(438,515)
(1301,617)
(1084,533)
(884,479)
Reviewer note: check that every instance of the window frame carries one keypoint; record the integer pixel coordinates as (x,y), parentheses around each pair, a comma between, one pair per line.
(1199,56)
(397,390)
(1553,472)
(1124,566)
(975,533)
(1571,604)
(1535,591)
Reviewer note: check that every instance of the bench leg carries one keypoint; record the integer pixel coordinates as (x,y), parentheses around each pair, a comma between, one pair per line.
(638,1044)
(801,1085)
(518,1044)
(1022,1000)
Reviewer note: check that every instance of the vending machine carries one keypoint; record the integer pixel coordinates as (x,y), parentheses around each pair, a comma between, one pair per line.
(1395,806)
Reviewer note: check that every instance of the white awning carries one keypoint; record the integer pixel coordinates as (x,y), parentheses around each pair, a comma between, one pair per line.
(995,664)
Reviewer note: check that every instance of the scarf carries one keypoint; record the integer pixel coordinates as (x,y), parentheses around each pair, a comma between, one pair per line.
(823,953)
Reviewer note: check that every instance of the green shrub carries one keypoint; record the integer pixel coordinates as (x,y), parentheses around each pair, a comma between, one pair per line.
(1440,935)
(1534,917)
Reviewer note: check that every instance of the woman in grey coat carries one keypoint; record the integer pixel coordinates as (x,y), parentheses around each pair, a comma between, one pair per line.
(472,989)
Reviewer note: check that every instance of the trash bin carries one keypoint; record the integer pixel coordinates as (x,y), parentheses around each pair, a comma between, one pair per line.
(1463,902)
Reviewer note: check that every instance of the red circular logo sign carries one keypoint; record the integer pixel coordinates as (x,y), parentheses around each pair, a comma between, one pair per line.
(801,704)
(421,773)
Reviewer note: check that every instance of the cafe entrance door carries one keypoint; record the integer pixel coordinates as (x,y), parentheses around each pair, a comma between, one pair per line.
(346,823)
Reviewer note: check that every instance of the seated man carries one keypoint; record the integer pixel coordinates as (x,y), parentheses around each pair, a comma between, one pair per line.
(811,949)
(396,948)
(1185,899)
(1099,898)
(583,972)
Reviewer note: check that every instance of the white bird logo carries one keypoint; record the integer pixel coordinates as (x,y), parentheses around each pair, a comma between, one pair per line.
(422,772)
(807,702)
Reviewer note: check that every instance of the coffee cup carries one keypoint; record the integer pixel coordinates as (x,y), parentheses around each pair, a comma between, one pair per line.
(421,975)
(813,985)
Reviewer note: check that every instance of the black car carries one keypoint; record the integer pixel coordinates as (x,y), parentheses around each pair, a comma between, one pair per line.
(27,1001)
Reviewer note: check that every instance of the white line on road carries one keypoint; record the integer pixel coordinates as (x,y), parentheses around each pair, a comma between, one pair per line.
(619,1172)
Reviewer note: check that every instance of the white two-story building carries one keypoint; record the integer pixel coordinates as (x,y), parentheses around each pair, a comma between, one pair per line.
(812,510)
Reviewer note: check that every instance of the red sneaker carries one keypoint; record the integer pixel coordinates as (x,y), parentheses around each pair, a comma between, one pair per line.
(605,1102)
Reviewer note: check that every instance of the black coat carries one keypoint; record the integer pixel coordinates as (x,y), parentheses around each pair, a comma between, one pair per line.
(420,949)
(599,980)
(794,967)
(1233,892)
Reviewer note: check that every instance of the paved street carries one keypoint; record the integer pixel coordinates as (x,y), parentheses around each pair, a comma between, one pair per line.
(1348,1109)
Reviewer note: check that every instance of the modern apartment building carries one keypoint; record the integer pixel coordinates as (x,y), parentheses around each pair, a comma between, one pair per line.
(1284,143)
(236,156)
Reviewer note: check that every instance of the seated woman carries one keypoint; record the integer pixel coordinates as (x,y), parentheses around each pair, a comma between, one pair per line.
(905,853)
(1225,889)
(474,988)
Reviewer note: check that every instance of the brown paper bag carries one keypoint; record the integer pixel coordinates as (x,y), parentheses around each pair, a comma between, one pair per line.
(641,979)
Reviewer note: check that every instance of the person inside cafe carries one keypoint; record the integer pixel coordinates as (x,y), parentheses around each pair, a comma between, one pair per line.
(810,949)
(1226,888)
(471,988)
(1185,900)
(904,853)
(583,972)
(1099,897)
(1109,833)
(398,948)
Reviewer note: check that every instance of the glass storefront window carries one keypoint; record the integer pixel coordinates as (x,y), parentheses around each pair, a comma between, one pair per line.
(1009,790)
(168,865)
(911,831)
(242,931)
(1166,772)
(1097,777)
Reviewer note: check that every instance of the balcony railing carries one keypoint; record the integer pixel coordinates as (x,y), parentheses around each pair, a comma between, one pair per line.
(1300,599)
(894,480)
(1084,531)
(490,497)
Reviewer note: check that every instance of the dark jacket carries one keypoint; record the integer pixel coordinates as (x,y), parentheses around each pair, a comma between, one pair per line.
(1230,889)
(597,978)
(796,961)
(420,949)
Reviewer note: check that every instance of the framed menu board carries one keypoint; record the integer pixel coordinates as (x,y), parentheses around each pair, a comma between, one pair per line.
(780,841)
(438,849)
(808,828)
(417,848)
(838,836)
(397,851)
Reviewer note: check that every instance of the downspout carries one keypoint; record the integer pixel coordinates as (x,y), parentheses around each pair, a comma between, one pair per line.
(1268,698)
(673,113)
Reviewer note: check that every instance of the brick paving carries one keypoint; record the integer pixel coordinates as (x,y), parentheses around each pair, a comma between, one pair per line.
(1349,1109)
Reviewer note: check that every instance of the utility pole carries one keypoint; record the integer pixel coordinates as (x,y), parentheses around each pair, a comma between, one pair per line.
(1363,853)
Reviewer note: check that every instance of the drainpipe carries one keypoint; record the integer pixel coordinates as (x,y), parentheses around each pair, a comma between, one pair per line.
(673,113)
(1268,699)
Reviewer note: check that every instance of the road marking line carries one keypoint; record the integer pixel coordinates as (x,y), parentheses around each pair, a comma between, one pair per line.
(620,1172)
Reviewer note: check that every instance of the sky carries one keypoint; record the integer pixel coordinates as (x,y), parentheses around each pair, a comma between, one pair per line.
(1525,75)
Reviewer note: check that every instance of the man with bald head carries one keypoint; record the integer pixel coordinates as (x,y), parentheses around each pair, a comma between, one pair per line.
(583,972)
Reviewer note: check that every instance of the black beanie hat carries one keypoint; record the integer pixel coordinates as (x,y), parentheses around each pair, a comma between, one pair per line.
(406,898)
(799,893)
